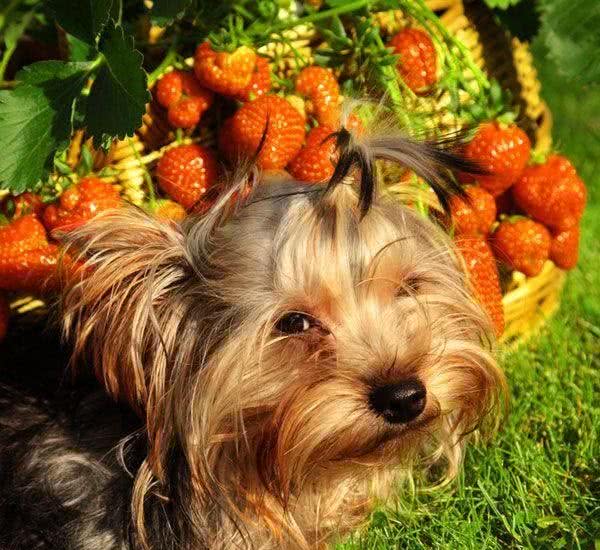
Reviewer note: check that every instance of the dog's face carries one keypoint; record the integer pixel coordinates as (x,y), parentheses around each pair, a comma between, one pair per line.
(289,355)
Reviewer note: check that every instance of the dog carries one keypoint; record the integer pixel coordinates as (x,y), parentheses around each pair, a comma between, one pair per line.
(271,370)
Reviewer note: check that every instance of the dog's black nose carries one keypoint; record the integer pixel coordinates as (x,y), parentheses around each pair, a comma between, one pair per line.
(399,403)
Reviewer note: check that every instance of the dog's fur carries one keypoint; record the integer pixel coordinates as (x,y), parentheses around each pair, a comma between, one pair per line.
(249,437)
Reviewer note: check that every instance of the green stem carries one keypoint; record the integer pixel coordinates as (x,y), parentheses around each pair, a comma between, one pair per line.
(168,60)
(10,48)
(7,11)
(318,16)
(147,177)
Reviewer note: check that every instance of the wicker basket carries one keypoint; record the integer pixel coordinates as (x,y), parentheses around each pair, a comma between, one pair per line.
(528,302)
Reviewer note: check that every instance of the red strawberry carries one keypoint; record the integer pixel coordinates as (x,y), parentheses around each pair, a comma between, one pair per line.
(169,88)
(4,316)
(184,97)
(21,205)
(522,244)
(476,215)
(186,172)
(314,162)
(81,202)
(222,72)
(22,234)
(27,261)
(564,249)
(483,275)
(418,59)
(322,89)
(503,151)
(260,83)
(242,134)
(552,193)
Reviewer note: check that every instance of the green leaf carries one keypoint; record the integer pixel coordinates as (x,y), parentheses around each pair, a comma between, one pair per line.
(85,19)
(119,94)
(12,32)
(502,4)
(165,11)
(571,32)
(79,50)
(36,120)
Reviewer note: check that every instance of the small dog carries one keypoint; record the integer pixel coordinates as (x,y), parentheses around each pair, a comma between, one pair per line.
(290,356)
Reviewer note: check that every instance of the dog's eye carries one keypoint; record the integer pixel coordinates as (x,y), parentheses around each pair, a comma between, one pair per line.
(410,285)
(294,323)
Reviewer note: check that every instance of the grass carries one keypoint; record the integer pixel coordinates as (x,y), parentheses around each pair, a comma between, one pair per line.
(538,484)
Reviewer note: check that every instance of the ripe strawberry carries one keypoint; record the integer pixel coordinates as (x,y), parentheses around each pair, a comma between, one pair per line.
(21,205)
(242,134)
(27,261)
(222,72)
(81,202)
(184,97)
(186,172)
(322,89)
(503,151)
(260,83)
(4,316)
(418,59)
(564,249)
(22,234)
(169,88)
(476,215)
(314,162)
(551,193)
(170,211)
(483,275)
(522,244)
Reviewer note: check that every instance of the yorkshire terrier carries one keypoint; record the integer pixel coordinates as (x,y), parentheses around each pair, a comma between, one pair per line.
(279,364)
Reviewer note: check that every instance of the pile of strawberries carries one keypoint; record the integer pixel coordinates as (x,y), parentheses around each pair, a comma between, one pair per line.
(518,214)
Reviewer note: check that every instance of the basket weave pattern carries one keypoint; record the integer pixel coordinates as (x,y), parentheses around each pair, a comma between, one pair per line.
(528,302)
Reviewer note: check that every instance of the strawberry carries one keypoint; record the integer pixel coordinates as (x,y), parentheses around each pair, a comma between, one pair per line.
(184,97)
(476,215)
(321,88)
(81,202)
(483,276)
(222,72)
(418,59)
(503,151)
(314,162)
(21,205)
(169,210)
(260,83)
(564,248)
(522,244)
(186,172)
(242,134)
(27,261)
(551,193)
(4,316)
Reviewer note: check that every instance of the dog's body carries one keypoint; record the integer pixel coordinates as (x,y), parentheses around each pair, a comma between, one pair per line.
(289,361)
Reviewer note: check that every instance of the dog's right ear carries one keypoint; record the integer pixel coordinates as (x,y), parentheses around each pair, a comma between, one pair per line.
(123,309)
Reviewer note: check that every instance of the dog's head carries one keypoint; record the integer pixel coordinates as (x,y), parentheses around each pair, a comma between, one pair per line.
(287,352)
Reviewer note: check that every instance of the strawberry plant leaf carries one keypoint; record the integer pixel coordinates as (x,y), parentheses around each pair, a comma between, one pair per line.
(84,19)
(502,4)
(36,120)
(166,11)
(119,94)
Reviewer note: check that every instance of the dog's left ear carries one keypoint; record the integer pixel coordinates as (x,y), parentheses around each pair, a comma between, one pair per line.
(124,309)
